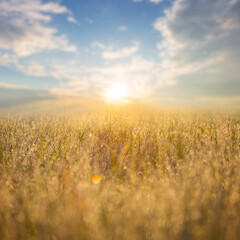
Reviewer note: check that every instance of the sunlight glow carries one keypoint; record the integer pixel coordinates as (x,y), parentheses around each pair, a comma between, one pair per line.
(117,93)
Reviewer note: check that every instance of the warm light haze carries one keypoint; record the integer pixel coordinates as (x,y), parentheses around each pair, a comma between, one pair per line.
(117,93)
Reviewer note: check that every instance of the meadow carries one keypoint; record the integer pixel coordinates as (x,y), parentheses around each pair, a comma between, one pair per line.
(166,174)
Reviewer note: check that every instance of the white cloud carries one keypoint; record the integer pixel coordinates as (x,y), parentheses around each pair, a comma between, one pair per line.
(156,1)
(24,29)
(97,44)
(153,1)
(123,28)
(7,59)
(30,9)
(124,52)
(72,19)
(32,69)
(201,38)
(138,74)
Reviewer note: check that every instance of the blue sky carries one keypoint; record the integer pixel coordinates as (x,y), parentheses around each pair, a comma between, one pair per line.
(162,51)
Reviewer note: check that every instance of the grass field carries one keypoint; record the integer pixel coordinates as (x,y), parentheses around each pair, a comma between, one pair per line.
(166,174)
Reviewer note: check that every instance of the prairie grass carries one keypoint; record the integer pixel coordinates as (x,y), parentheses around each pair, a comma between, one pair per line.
(166,174)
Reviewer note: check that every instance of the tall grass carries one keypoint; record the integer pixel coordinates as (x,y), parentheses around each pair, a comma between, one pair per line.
(165,175)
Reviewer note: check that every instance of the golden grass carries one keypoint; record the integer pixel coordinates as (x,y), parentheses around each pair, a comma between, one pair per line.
(165,174)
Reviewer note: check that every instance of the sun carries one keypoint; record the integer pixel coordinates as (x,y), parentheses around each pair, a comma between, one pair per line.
(117,93)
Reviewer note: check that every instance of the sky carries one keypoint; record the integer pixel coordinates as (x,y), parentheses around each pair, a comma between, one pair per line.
(159,51)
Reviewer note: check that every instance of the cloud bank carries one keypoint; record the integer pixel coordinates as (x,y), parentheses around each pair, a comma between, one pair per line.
(24,28)
(201,39)
(122,53)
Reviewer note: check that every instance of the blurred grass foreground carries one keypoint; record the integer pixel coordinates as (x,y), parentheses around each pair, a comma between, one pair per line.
(165,174)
